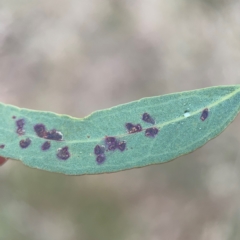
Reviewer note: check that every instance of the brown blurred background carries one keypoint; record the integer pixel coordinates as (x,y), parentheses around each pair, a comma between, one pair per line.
(77,56)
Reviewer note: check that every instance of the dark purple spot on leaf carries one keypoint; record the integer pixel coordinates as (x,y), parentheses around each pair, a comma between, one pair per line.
(122,146)
(100,158)
(2,146)
(20,124)
(40,130)
(24,143)
(99,149)
(147,118)
(133,128)
(13,117)
(204,114)
(111,143)
(54,135)
(151,132)
(46,145)
(63,153)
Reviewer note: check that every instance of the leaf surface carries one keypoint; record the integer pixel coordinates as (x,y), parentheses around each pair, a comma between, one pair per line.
(149,131)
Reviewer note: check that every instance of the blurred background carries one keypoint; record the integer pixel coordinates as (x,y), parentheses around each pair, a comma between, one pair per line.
(74,57)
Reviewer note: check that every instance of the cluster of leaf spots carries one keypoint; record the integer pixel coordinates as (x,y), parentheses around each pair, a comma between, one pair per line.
(204,114)
(2,146)
(99,152)
(63,153)
(20,125)
(42,132)
(153,131)
(111,144)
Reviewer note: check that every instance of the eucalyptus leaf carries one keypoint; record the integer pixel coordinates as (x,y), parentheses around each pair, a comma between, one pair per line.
(148,131)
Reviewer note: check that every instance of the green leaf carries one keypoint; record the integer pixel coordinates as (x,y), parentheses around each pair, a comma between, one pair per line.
(149,131)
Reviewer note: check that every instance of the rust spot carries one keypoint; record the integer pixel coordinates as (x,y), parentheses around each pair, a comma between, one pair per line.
(100,158)
(147,118)
(204,114)
(133,128)
(122,146)
(2,146)
(40,130)
(63,153)
(99,149)
(20,124)
(24,143)
(151,132)
(53,134)
(46,145)
(111,143)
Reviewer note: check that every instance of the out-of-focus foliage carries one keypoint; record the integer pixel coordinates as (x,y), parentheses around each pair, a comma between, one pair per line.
(75,57)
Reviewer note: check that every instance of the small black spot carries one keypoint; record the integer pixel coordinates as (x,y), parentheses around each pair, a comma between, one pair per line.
(204,114)
(100,158)
(40,130)
(151,132)
(63,153)
(147,118)
(24,143)
(46,145)
(133,128)
(122,146)
(20,124)
(54,135)
(88,136)
(13,117)
(99,149)
(111,143)
(2,146)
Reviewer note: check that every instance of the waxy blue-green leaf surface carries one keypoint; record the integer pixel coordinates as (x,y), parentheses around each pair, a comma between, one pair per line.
(178,117)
